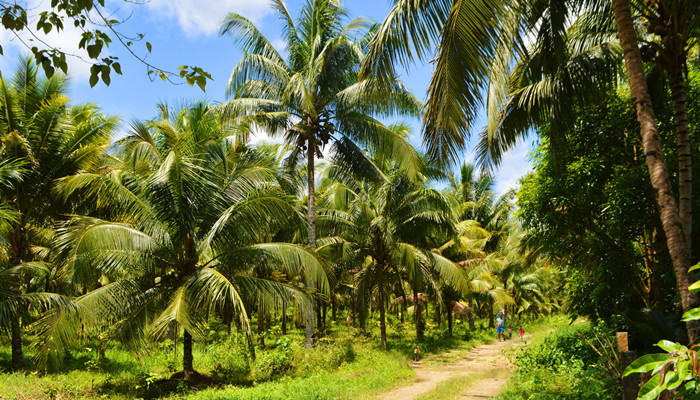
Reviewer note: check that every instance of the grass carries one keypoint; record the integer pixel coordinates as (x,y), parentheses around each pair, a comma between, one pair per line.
(451,389)
(343,365)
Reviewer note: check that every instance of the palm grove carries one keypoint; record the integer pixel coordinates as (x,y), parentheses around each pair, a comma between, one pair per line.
(183,221)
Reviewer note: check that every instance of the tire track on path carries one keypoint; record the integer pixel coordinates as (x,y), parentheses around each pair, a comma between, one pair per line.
(487,360)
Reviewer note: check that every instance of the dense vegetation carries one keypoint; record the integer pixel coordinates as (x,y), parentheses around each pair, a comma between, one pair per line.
(181,260)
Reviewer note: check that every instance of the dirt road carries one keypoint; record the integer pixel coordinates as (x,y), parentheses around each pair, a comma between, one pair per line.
(488,361)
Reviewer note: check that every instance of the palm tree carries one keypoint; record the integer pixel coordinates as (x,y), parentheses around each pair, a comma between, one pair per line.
(384,229)
(677,25)
(314,97)
(470,35)
(656,164)
(187,211)
(50,140)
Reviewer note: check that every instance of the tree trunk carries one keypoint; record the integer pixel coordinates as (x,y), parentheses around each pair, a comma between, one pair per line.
(417,316)
(470,316)
(382,321)
(284,317)
(438,316)
(351,309)
(312,234)
(17,354)
(319,319)
(334,308)
(449,319)
(261,325)
(187,367)
(491,325)
(658,172)
(685,178)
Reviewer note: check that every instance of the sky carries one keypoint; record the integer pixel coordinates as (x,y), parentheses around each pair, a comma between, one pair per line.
(185,32)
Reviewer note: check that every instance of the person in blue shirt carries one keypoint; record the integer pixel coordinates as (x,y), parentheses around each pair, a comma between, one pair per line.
(500,325)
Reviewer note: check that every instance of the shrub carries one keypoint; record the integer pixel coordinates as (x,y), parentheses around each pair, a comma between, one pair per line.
(562,367)
(275,363)
(233,360)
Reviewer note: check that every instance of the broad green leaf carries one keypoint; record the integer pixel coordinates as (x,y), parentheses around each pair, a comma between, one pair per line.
(695,287)
(651,390)
(691,315)
(669,346)
(646,363)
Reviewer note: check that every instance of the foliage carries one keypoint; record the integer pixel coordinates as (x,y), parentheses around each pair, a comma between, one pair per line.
(563,366)
(99,28)
(677,370)
(597,219)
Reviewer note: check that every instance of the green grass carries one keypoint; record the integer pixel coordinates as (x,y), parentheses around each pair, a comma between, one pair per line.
(343,365)
(451,389)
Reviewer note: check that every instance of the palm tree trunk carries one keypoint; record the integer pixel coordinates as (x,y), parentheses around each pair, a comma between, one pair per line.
(261,326)
(382,320)
(685,178)
(284,317)
(319,319)
(491,325)
(449,319)
(312,234)
(187,367)
(658,172)
(17,354)
(351,312)
(471,317)
(417,316)
(334,308)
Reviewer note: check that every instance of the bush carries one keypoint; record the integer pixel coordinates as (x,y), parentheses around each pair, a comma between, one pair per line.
(233,360)
(275,363)
(562,367)
(561,349)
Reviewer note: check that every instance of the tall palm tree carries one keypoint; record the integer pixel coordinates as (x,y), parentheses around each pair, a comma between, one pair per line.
(50,140)
(187,212)
(656,164)
(677,26)
(313,97)
(468,34)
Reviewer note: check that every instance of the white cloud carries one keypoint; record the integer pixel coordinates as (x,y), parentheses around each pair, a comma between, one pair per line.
(203,17)
(259,137)
(514,165)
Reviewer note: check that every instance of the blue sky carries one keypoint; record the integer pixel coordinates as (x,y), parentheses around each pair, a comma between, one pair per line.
(184,32)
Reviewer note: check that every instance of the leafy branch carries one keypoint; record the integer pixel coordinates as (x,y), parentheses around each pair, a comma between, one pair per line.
(94,41)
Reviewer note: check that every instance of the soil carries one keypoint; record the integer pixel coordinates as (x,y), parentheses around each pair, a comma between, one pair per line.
(488,360)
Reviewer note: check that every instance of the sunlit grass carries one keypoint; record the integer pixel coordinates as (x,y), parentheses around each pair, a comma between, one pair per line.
(344,365)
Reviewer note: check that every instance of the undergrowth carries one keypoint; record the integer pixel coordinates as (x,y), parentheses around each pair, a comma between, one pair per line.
(561,366)
(344,364)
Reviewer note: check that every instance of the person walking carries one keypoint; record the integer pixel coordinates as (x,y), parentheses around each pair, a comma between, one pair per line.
(500,325)
(521,332)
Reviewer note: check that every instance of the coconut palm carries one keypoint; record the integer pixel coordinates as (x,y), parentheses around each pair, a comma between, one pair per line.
(188,209)
(314,96)
(384,230)
(676,27)
(51,140)
(476,40)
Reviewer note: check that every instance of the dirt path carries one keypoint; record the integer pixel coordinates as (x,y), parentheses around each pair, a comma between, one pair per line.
(487,360)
